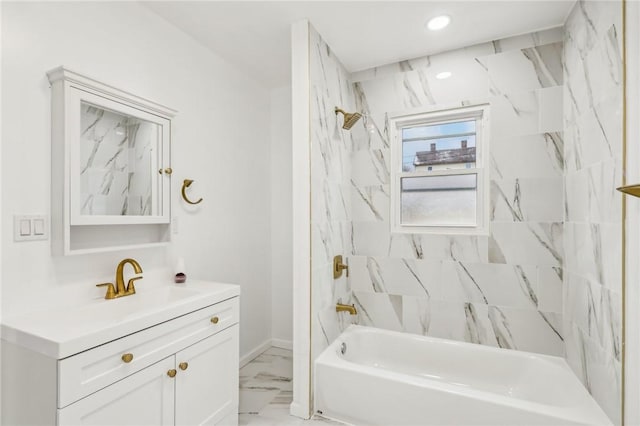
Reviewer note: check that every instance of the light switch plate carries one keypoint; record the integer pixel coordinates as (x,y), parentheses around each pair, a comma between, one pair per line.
(38,226)
(25,227)
(30,227)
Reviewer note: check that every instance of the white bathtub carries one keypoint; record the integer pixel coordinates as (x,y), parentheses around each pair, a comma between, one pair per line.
(391,378)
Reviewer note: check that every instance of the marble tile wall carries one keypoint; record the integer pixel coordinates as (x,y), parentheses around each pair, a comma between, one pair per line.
(504,289)
(547,277)
(593,228)
(331,148)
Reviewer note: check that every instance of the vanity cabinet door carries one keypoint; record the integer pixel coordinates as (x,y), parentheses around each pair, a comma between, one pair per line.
(143,398)
(207,381)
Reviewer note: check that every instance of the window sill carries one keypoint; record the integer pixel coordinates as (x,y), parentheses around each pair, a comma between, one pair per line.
(442,230)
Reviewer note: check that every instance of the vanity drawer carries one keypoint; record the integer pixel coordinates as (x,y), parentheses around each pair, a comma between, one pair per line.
(87,372)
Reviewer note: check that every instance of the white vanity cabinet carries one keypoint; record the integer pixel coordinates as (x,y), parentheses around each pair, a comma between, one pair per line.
(144,398)
(205,393)
(182,371)
(209,379)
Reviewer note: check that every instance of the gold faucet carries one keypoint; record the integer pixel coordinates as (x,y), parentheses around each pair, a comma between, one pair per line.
(119,290)
(346,308)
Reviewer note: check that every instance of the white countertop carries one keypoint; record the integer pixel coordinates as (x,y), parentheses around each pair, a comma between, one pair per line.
(62,332)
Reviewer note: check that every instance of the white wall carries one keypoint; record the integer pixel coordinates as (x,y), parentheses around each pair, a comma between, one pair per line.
(632,269)
(1,109)
(220,141)
(301,219)
(281,217)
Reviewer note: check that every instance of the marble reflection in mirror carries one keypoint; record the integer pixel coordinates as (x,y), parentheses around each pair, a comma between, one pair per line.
(119,163)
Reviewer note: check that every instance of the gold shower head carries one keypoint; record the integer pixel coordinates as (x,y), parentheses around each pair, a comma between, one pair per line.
(349,118)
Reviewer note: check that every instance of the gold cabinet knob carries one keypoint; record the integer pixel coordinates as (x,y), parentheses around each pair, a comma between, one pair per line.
(215,320)
(127,358)
(168,170)
(172,373)
(183,365)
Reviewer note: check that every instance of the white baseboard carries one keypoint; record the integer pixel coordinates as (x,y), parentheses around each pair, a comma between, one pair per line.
(298,410)
(282,344)
(253,354)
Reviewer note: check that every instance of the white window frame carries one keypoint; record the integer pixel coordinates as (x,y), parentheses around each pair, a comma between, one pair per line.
(481,113)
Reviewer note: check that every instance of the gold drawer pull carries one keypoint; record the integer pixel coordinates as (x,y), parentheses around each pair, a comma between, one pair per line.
(215,320)
(183,365)
(127,358)
(171,373)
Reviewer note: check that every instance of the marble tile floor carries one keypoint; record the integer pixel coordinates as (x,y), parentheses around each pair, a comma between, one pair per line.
(266,391)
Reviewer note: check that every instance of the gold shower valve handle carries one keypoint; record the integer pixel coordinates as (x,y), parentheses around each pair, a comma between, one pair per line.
(338,267)
(127,358)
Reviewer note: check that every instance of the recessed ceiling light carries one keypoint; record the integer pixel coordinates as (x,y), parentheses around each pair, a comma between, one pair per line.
(442,75)
(438,23)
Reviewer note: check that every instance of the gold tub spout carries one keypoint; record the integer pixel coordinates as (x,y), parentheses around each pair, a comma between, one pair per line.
(346,308)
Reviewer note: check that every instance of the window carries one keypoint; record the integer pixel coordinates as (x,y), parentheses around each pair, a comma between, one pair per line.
(439,172)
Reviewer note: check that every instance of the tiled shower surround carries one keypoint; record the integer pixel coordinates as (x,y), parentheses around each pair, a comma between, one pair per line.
(538,282)
(593,225)
(330,173)
(504,289)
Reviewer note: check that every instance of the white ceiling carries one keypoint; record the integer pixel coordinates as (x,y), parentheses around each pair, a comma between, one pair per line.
(363,34)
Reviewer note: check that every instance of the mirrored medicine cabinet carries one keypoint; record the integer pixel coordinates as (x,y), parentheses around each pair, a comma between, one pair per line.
(111,167)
